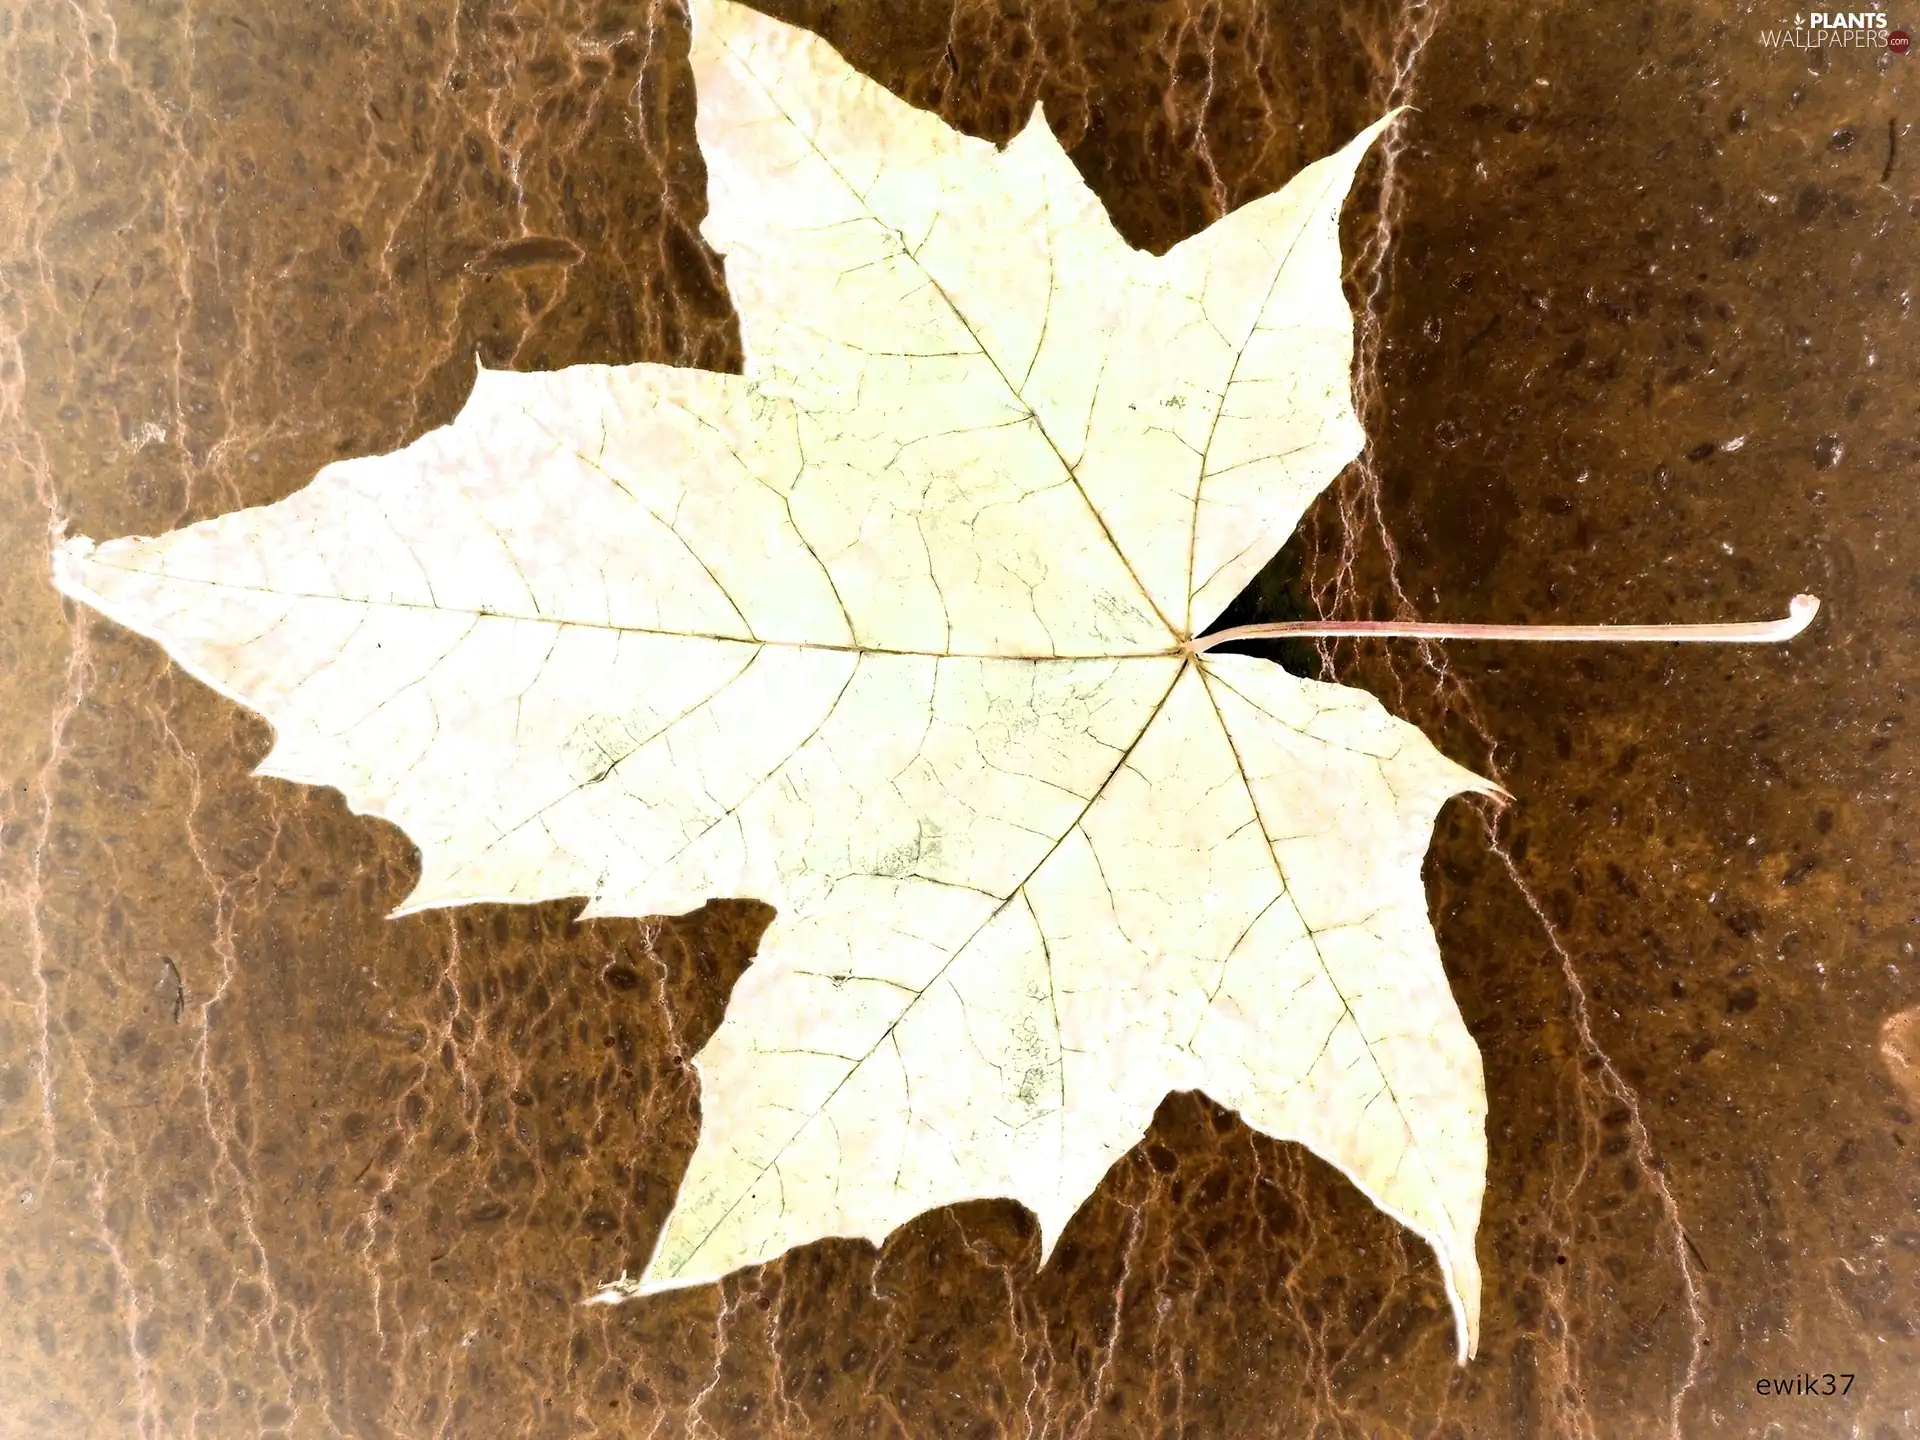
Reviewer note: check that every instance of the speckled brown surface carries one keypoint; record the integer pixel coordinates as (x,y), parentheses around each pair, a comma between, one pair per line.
(1642,350)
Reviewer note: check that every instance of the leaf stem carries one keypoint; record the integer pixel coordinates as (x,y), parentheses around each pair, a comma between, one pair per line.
(1752,632)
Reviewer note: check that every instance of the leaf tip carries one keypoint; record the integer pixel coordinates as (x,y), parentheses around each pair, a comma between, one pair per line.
(1492,789)
(652,1281)
(1462,1284)
(1381,126)
(68,557)
(616,1291)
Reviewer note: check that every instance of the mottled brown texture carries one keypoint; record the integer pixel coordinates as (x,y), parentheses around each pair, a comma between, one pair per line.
(1642,350)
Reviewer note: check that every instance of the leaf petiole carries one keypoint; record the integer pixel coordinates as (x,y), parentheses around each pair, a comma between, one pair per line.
(1799,615)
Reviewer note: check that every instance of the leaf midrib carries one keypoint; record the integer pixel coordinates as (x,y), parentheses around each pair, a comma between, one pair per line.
(489,613)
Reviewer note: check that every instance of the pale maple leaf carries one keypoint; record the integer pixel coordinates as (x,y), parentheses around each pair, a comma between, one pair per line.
(892,631)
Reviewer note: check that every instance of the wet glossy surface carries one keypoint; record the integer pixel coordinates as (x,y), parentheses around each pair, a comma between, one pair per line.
(1641,352)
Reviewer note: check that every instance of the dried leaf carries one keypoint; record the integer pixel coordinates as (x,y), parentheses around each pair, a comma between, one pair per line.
(891,633)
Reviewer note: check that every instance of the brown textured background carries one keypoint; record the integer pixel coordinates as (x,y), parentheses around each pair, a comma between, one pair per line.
(1641,349)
